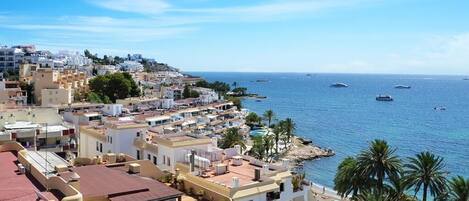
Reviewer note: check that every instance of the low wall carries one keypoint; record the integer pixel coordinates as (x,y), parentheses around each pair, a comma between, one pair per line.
(71,194)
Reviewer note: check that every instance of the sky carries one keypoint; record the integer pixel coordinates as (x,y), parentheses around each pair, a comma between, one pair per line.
(329,36)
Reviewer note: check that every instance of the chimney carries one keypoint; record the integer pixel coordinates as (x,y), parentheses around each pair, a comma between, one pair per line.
(286,163)
(192,160)
(257,174)
(234,182)
(265,169)
(214,141)
(238,149)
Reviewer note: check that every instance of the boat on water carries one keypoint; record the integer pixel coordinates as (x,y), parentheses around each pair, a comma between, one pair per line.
(384,98)
(465,78)
(309,74)
(339,85)
(262,80)
(402,87)
(440,108)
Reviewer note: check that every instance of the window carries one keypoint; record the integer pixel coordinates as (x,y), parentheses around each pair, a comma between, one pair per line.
(101,147)
(164,159)
(169,161)
(97,146)
(111,139)
(138,154)
(154,160)
(148,156)
(138,134)
(282,188)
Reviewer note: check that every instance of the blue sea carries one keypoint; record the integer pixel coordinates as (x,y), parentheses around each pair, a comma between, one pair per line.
(347,119)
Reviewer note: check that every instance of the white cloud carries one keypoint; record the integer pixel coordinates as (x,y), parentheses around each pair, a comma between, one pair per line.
(134,6)
(443,54)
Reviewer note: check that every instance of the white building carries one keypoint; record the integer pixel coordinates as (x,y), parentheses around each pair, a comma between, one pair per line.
(206,95)
(173,92)
(106,69)
(72,59)
(131,66)
(10,58)
(114,136)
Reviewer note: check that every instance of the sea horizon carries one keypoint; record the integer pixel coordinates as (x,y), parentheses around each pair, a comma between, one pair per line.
(346,120)
(329,73)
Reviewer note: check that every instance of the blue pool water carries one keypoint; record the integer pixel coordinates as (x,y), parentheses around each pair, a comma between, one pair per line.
(347,119)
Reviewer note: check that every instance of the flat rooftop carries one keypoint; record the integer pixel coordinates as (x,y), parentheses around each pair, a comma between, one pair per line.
(244,172)
(17,187)
(118,185)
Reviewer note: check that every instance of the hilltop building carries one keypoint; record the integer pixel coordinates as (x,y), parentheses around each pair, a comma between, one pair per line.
(53,87)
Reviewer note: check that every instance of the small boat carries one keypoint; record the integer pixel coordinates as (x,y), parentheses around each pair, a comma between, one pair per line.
(258,100)
(309,74)
(465,78)
(384,98)
(402,87)
(262,80)
(441,108)
(339,85)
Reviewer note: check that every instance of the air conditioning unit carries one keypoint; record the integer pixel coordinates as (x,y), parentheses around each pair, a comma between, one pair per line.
(134,168)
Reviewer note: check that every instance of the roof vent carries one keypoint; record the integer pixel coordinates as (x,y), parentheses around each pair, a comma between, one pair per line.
(234,182)
(265,169)
(257,174)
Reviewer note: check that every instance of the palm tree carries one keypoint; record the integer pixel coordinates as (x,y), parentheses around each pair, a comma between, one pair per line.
(268,144)
(269,116)
(278,131)
(397,189)
(459,189)
(347,180)
(368,195)
(297,181)
(379,161)
(232,138)
(289,128)
(426,169)
(258,149)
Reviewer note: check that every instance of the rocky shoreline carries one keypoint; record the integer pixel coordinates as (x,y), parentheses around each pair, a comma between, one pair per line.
(302,150)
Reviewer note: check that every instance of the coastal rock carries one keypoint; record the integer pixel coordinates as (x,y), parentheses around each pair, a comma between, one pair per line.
(301,151)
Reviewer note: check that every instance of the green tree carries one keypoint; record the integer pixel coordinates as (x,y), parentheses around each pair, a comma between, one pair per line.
(236,102)
(114,86)
(240,91)
(297,181)
(289,128)
(268,144)
(379,161)
(425,172)
(118,87)
(459,189)
(202,83)
(186,93)
(231,138)
(396,189)
(258,150)
(269,115)
(252,119)
(93,98)
(348,180)
(29,88)
(278,132)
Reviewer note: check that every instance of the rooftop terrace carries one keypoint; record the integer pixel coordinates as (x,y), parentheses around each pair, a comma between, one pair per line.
(16,186)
